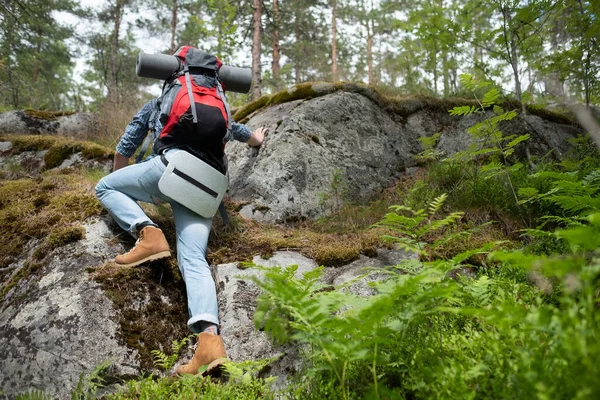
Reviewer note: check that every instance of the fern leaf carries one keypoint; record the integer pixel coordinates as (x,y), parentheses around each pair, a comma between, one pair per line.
(449,220)
(34,394)
(516,141)
(437,203)
(490,97)
(498,110)
(463,110)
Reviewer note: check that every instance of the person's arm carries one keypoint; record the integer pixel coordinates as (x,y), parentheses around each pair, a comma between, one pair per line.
(134,135)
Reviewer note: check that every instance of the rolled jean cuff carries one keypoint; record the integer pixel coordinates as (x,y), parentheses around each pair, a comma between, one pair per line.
(201,317)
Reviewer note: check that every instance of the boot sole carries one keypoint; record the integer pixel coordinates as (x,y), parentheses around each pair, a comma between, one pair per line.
(153,257)
(214,368)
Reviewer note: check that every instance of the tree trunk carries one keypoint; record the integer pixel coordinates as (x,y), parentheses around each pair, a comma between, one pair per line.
(256,50)
(297,22)
(435,71)
(554,85)
(445,67)
(334,73)
(370,52)
(275,66)
(173,25)
(113,75)
(511,48)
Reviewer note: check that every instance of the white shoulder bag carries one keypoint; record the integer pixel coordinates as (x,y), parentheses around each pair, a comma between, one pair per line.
(193,183)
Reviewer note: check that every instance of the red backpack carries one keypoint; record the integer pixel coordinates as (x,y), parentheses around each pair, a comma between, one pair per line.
(193,109)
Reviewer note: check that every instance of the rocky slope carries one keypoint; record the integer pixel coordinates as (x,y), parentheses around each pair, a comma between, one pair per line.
(65,308)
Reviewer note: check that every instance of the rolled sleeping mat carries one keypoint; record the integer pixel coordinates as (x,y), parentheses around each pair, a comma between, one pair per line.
(156,66)
(236,79)
(161,66)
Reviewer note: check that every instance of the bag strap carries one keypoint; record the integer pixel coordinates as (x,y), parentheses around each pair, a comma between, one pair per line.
(228,136)
(188,84)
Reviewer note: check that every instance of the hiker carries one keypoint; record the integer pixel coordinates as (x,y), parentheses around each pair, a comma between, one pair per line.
(120,191)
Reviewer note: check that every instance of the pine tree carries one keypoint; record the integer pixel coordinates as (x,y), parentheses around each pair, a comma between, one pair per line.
(35,61)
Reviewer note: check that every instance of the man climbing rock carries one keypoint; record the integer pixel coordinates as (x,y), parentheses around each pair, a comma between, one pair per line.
(120,191)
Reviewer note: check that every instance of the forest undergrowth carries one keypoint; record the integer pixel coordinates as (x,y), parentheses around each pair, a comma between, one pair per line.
(523,324)
(508,315)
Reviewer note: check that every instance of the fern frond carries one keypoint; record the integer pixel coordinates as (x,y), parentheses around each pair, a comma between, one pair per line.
(463,110)
(538,233)
(485,249)
(437,203)
(592,178)
(490,97)
(34,394)
(576,204)
(516,141)
(449,220)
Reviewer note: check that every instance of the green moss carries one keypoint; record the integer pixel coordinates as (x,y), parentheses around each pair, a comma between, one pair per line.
(47,115)
(249,108)
(158,320)
(50,205)
(65,235)
(298,92)
(59,149)
(337,254)
(57,154)
(399,106)
(552,116)
(23,143)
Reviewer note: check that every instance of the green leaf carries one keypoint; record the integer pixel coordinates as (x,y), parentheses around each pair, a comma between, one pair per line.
(516,141)
(490,97)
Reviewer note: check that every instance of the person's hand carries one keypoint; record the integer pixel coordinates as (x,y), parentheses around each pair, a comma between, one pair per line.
(257,137)
(120,161)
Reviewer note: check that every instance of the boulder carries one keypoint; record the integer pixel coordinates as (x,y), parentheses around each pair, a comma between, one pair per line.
(237,303)
(58,324)
(347,146)
(33,122)
(65,154)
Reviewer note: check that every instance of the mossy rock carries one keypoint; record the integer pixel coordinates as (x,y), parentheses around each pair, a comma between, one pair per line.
(58,149)
(401,106)
(23,143)
(47,115)
(154,323)
(336,255)
(52,205)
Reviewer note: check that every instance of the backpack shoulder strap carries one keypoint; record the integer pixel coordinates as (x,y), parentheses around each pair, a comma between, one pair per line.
(228,136)
(188,84)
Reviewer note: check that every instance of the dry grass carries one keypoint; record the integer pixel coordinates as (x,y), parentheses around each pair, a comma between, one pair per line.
(112,120)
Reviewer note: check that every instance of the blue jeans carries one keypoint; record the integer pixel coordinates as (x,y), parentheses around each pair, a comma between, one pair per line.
(119,193)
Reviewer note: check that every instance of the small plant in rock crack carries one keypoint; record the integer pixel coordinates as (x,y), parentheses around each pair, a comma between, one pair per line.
(166,362)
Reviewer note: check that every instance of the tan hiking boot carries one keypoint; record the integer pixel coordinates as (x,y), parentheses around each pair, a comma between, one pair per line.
(151,245)
(210,352)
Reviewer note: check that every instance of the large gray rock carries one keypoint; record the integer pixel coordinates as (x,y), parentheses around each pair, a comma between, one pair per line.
(24,122)
(238,294)
(309,142)
(58,324)
(344,147)
(237,304)
(545,136)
